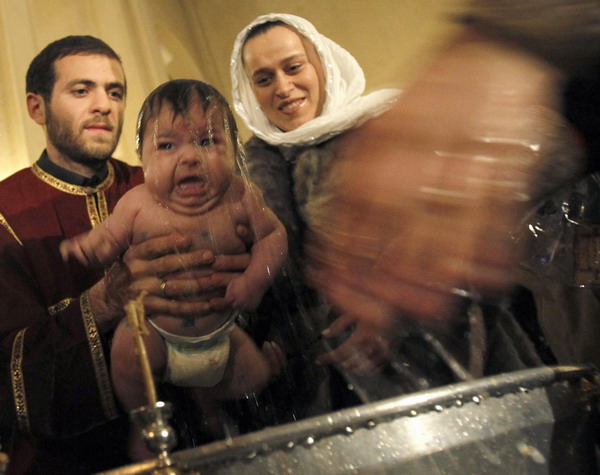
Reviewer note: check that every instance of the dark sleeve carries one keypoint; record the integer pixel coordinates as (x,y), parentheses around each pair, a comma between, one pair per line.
(269,170)
(564,32)
(54,380)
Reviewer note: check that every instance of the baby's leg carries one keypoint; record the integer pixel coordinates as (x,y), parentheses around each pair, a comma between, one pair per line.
(128,380)
(126,371)
(248,370)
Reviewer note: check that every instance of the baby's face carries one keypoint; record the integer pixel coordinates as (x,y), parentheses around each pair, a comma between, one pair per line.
(188,161)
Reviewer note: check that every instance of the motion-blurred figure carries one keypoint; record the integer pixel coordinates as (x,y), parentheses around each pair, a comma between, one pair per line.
(430,193)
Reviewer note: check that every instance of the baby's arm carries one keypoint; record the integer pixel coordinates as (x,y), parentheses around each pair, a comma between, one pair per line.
(104,244)
(267,254)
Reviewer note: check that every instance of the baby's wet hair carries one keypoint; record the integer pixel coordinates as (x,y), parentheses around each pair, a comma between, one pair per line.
(181,95)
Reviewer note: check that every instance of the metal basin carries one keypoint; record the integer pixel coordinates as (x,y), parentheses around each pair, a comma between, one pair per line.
(534,421)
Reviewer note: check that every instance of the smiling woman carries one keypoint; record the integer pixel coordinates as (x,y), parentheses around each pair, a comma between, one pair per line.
(294,86)
(297,91)
(286,74)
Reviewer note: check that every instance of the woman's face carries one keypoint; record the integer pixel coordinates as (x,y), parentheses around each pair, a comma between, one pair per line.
(286,76)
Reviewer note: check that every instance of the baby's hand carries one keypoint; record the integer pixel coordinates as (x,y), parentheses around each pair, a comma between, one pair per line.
(72,248)
(242,296)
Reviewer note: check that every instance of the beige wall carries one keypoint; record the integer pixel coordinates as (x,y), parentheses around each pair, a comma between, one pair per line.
(163,39)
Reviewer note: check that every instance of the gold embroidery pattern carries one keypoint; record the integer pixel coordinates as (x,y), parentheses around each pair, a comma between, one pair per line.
(73,189)
(102,206)
(18,384)
(60,306)
(93,213)
(97,210)
(102,377)
(4,222)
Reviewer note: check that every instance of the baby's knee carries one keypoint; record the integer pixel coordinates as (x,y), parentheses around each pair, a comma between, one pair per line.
(124,354)
(251,371)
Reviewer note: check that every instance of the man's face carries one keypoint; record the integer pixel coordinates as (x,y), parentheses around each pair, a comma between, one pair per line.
(84,116)
(286,76)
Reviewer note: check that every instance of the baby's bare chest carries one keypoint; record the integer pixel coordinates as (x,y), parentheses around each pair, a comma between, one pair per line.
(214,230)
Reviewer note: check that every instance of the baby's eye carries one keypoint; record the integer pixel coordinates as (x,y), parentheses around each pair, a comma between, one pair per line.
(206,142)
(165,146)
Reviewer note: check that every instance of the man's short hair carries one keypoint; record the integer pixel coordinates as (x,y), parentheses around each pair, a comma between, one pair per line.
(41,74)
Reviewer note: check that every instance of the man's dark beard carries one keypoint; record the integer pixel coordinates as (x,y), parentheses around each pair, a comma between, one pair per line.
(67,144)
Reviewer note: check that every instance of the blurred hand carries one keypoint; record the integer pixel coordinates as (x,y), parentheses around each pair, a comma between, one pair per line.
(427,194)
(367,348)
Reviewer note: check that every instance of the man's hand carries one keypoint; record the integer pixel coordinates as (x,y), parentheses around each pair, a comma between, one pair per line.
(371,334)
(177,281)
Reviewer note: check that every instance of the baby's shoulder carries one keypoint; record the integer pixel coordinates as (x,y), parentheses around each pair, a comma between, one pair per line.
(239,188)
(138,192)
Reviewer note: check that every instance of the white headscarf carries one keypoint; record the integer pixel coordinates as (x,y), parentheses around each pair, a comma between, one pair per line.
(344,106)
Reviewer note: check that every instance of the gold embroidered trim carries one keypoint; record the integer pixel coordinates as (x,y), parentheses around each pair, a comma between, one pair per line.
(97,208)
(102,206)
(60,306)
(18,384)
(100,368)
(4,223)
(73,189)
(93,214)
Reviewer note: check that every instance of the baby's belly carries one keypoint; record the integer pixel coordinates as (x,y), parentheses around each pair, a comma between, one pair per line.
(192,325)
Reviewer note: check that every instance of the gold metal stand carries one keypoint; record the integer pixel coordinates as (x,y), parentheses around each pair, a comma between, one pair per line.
(158,435)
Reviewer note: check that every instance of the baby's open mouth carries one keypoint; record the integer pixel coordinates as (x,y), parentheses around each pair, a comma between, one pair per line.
(192,183)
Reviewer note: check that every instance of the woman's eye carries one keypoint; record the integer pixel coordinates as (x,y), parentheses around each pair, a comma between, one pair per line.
(293,68)
(262,80)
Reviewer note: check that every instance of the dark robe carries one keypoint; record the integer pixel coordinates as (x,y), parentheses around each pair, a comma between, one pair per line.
(58,413)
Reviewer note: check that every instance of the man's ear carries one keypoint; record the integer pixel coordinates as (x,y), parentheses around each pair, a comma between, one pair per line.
(36,106)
